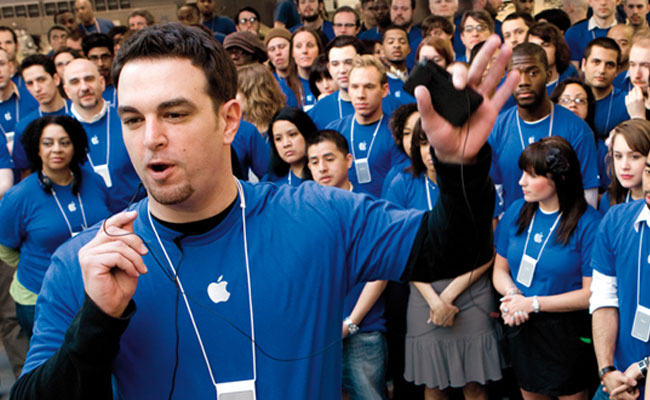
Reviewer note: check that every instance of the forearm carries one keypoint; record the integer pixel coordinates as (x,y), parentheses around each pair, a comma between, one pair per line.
(501,279)
(605,331)
(430,296)
(461,283)
(367,299)
(456,236)
(565,302)
(81,368)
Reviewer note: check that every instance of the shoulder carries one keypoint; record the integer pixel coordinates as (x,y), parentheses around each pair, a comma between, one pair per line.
(590,219)
(27,187)
(512,213)
(577,29)
(340,125)
(568,122)
(622,215)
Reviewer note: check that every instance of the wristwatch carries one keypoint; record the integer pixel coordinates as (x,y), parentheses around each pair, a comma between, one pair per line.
(352,327)
(535,304)
(643,366)
(605,370)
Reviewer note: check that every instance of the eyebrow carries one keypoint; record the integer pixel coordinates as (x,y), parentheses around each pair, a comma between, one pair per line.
(179,101)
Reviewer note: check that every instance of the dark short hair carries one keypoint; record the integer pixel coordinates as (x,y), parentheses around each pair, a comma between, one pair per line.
(550,33)
(606,43)
(250,10)
(56,15)
(305,126)
(174,40)
(390,3)
(397,123)
(117,30)
(343,41)
(479,15)
(556,17)
(591,100)
(532,50)
(357,19)
(31,139)
(96,40)
(56,28)
(4,28)
(38,59)
(317,73)
(75,53)
(392,27)
(435,21)
(330,135)
(144,14)
(528,20)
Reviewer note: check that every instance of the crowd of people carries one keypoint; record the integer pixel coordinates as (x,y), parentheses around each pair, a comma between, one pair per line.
(365,241)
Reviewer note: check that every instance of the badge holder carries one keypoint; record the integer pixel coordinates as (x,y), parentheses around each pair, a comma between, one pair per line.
(641,325)
(362,168)
(237,390)
(102,170)
(526,270)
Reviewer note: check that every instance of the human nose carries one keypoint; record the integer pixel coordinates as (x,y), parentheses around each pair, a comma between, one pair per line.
(523,181)
(154,136)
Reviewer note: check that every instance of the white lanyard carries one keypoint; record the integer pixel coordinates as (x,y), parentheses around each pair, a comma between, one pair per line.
(426,187)
(83,214)
(289,177)
(96,27)
(550,233)
(40,112)
(628,196)
(17,116)
(550,128)
(340,109)
(242,202)
(373,136)
(108,141)
(638,276)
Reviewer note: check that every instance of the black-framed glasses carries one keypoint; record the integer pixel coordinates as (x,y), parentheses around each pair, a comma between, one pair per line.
(478,28)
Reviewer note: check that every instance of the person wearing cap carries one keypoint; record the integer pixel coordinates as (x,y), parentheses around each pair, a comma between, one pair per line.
(278,43)
(244,48)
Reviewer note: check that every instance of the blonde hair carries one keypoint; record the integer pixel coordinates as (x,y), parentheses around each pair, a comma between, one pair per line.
(368,60)
(260,94)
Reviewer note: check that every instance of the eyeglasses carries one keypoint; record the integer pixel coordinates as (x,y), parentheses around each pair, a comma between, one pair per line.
(578,101)
(251,20)
(103,57)
(479,28)
(348,25)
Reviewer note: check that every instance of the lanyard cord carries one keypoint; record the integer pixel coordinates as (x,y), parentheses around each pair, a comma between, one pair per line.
(108,141)
(426,187)
(374,135)
(550,128)
(550,232)
(81,206)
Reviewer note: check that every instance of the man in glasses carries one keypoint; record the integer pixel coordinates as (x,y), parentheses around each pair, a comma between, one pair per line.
(346,21)
(248,19)
(98,48)
(475,27)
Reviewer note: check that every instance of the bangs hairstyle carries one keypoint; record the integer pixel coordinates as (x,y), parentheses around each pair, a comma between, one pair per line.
(260,92)
(398,122)
(318,73)
(419,138)
(441,46)
(31,140)
(636,133)
(554,158)
(307,129)
(174,40)
(551,34)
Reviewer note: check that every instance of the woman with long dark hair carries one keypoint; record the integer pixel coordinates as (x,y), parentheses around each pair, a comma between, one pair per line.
(542,269)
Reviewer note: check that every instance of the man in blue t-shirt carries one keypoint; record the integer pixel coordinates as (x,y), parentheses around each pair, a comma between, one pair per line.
(309,11)
(580,34)
(286,14)
(364,344)
(396,50)
(534,117)
(212,21)
(87,20)
(9,43)
(638,105)
(273,262)
(371,142)
(346,21)
(98,48)
(619,302)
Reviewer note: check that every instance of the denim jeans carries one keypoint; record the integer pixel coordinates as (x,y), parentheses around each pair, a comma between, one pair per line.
(364,365)
(25,316)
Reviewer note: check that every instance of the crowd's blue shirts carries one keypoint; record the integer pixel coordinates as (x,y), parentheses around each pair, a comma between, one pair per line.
(370,34)
(408,191)
(414,35)
(110,95)
(616,254)
(289,179)
(29,101)
(223,25)
(351,239)
(610,111)
(33,223)
(5,158)
(623,82)
(459,47)
(507,147)
(396,88)
(308,98)
(570,72)
(14,109)
(18,153)
(383,156)
(327,28)
(331,108)
(561,267)
(101,25)
(286,12)
(124,179)
(392,175)
(292,101)
(604,206)
(251,148)
(579,35)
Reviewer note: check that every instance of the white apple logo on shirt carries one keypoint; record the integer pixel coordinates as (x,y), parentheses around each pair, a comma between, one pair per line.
(218,292)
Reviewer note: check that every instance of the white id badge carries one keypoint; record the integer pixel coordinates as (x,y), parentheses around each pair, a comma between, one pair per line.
(236,390)
(10,141)
(641,325)
(102,170)
(363,170)
(526,270)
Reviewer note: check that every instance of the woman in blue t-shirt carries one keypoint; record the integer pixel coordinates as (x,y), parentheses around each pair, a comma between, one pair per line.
(53,204)
(542,269)
(288,132)
(306,45)
(629,147)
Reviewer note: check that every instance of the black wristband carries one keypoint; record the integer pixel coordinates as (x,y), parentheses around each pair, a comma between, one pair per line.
(643,366)
(605,370)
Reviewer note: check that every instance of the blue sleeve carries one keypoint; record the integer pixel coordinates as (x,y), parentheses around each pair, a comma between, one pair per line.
(588,229)
(12,210)
(5,158)
(572,38)
(18,154)
(603,206)
(394,190)
(282,12)
(585,148)
(602,254)
(502,233)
